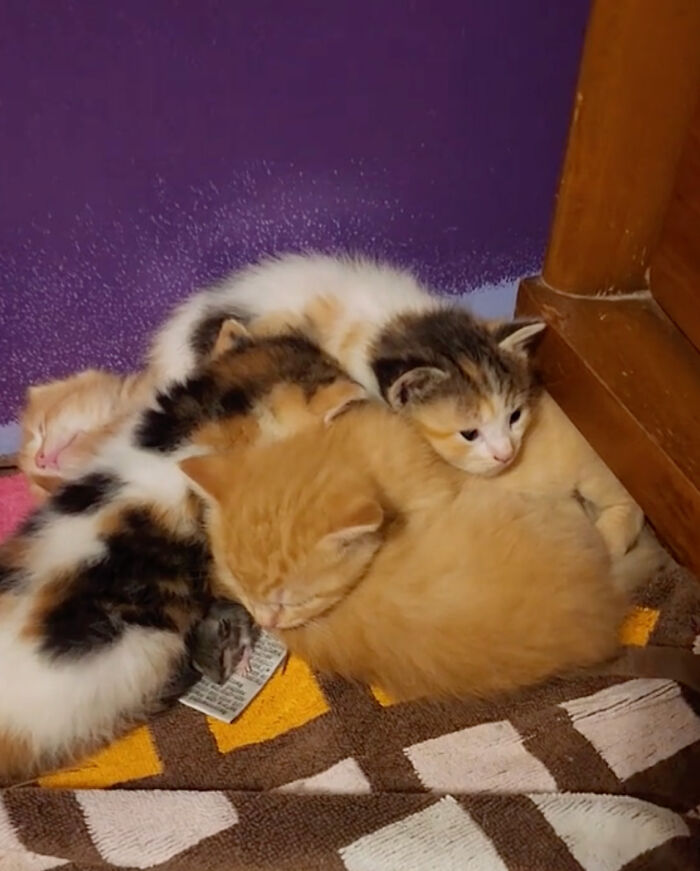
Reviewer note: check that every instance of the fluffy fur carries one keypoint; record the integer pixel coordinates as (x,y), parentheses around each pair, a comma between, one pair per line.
(351,543)
(468,389)
(99,591)
(94,615)
(556,462)
(65,422)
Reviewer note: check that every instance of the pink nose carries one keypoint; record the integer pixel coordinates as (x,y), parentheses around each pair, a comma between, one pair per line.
(46,461)
(503,457)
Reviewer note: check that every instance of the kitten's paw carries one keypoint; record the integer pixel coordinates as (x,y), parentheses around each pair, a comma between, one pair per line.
(620,527)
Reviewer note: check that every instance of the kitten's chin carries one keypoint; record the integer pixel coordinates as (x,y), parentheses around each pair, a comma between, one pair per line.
(484,471)
(489,470)
(263,620)
(495,471)
(293,624)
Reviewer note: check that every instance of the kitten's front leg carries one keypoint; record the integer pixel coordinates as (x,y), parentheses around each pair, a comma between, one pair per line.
(620,526)
(618,518)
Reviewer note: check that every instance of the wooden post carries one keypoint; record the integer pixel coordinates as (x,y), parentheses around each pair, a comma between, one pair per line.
(637,89)
(621,370)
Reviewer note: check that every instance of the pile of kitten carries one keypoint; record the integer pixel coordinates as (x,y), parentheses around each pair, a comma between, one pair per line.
(320,447)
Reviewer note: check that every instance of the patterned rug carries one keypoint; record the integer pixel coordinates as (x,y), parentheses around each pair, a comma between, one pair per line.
(597,773)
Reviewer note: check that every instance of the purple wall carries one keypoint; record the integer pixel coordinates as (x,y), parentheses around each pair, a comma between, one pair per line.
(150,145)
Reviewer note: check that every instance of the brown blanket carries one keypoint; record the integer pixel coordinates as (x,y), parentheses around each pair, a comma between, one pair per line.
(595,773)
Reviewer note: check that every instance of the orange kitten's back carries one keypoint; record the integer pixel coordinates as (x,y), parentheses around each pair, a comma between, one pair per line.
(493,594)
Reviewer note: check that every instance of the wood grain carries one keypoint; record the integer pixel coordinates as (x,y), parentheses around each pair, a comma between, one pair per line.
(630,382)
(675,266)
(638,85)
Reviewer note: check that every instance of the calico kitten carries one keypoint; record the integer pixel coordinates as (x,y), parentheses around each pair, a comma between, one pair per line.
(64,423)
(467,388)
(99,593)
(101,588)
(349,542)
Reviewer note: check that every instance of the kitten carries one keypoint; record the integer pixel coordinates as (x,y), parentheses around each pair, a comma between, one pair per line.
(468,389)
(350,543)
(100,590)
(557,461)
(64,423)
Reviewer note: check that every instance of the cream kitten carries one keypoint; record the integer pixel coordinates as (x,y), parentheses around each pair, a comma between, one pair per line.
(556,461)
(467,388)
(373,560)
(64,423)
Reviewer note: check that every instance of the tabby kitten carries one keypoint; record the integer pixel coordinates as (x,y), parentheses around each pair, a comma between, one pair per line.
(349,542)
(468,389)
(100,589)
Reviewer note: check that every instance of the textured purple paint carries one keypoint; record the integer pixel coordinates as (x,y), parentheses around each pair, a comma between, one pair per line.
(149,147)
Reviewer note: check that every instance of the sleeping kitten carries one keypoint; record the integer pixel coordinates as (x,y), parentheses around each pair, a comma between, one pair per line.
(100,590)
(468,389)
(64,423)
(350,543)
(99,593)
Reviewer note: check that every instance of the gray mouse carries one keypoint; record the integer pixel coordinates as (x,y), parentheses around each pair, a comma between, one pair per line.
(222,641)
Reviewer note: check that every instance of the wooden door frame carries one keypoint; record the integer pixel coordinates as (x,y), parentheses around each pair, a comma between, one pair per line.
(619,367)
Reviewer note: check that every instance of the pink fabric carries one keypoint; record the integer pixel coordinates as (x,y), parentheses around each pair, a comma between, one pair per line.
(16,502)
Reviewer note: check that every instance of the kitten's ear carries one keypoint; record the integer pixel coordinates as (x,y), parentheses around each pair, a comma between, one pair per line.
(328,402)
(360,521)
(209,474)
(136,386)
(414,385)
(34,391)
(231,334)
(518,337)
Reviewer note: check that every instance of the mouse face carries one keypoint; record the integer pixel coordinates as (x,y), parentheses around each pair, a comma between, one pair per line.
(222,640)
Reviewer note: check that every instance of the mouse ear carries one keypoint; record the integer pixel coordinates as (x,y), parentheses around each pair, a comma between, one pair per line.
(225,629)
(232,333)
(330,401)
(415,385)
(518,337)
(209,474)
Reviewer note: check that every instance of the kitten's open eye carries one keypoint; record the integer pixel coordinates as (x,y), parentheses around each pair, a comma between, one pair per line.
(515,416)
(470,434)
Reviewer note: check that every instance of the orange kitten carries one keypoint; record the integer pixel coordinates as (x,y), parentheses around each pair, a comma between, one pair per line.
(374,560)
(65,421)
